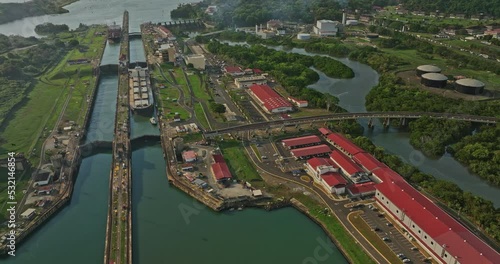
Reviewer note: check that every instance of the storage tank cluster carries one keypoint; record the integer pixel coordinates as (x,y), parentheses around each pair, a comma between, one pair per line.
(423,69)
(433,79)
(469,86)
(431,76)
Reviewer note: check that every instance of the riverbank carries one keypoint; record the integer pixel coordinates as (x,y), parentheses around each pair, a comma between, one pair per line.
(15,11)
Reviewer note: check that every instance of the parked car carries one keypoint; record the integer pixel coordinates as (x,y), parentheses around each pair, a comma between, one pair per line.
(388,224)
(406,260)
(401,256)
(385,239)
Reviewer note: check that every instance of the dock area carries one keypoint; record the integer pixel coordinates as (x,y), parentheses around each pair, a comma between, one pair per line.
(118,246)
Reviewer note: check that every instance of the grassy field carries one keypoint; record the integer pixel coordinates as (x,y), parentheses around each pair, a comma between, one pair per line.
(197,87)
(179,76)
(240,166)
(168,99)
(373,238)
(352,249)
(29,126)
(200,116)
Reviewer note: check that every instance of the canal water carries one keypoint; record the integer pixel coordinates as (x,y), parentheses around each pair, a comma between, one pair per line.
(76,234)
(111,54)
(102,123)
(97,12)
(171,227)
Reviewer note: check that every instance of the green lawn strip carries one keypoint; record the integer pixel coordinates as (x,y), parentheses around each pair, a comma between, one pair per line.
(240,166)
(179,76)
(197,87)
(352,249)
(22,180)
(192,137)
(373,238)
(256,151)
(170,107)
(200,116)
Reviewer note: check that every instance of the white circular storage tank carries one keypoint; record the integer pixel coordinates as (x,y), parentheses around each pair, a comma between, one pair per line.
(303,36)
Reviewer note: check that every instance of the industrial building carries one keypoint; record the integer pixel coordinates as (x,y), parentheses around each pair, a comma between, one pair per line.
(303,36)
(244,82)
(325,28)
(325,131)
(269,100)
(233,71)
(436,80)
(43,177)
(423,69)
(469,86)
(309,152)
(343,144)
(346,165)
(167,52)
(325,172)
(219,169)
(439,234)
(198,60)
(301,142)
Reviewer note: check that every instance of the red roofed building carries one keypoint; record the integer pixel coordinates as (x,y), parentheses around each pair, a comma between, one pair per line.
(318,166)
(314,151)
(348,167)
(325,131)
(257,71)
(270,100)
(234,70)
(367,161)
(221,171)
(344,144)
(334,182)
(189,156)
(292,143)
(361,189)
(440,235)
(218,158)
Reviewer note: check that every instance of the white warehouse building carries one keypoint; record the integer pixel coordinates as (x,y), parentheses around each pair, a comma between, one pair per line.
(326,28)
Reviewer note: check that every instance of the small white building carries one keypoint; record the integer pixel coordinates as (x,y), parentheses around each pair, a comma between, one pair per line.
(325,28)
(198,60)
(299,103)
(244,82)
(28,214)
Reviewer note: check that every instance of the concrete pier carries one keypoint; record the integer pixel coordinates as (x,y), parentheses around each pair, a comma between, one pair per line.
(118,245)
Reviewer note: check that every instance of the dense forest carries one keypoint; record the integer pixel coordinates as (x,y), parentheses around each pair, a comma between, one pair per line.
(468,7)
(480,211)
(481,153)
(189,11)
(13,11)
(8,43)
(49,28)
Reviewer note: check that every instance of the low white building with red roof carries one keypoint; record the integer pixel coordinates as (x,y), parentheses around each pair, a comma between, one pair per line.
(270,100)
(299,142)
(299,103)
(234,71)
(189,156)
(309,152)
(324,171)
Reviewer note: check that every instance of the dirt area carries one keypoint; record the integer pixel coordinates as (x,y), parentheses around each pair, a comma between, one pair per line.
(197,49)
(235,190)
(411,78)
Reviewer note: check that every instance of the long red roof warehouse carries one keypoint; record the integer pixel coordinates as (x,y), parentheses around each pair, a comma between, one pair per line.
(368,161)
(310,151)
(445,230)
(218,158)
(221,171)
(325,131)
(344,162)
(344,143)
(268,97)
(293,142)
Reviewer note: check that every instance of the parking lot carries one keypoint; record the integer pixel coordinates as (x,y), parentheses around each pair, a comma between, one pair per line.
(390,235)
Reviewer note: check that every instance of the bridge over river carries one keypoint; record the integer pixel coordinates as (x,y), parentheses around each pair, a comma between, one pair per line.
(346,116)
